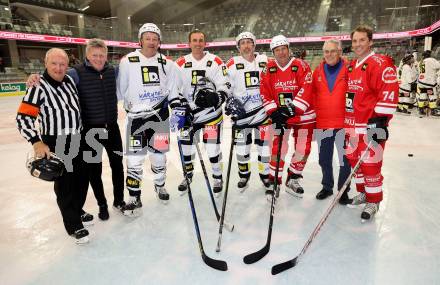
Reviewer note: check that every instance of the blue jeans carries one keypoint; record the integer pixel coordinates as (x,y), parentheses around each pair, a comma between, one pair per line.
(326,139)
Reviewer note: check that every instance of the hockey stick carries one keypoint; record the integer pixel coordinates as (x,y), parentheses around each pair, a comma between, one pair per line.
(293,262)
(214,263)
(229,227)
(256,256)
(222,218)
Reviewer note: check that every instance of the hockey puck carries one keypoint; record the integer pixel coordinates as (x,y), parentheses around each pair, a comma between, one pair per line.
(410,155)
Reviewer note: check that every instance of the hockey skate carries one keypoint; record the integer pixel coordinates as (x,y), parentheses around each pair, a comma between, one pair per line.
(369,211)
(118,205)
(269,193)
(358,200)
(133,207)
(266,182)
(86,218)
(243,184)
(162,194)
(293,186)
(218,187)
(183,186)
(81,236)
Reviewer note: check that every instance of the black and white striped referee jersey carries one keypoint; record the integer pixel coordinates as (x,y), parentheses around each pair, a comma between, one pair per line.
(56,106)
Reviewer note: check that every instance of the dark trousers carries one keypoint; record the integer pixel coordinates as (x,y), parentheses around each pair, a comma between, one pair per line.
(326,140)
(93,169)
(66,187)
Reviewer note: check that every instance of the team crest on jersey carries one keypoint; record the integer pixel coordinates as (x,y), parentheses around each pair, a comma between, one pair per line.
(196,75)
(225,71)
(294,68)
(188,65)
(150,75)
(389,75)
(252,79)
(350,68)
(239,66)
(262,64)
(133,59)
(308,78)
(209,63)
(272,69)
(364,66)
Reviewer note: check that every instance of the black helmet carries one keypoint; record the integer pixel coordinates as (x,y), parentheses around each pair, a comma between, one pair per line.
(48,169)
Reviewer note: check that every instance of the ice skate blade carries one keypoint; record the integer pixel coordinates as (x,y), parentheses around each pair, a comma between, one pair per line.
(241,190)
(351,206)
(218,195)
(164,202)
(294,194)
(181,193)
(82,241)
(133,214)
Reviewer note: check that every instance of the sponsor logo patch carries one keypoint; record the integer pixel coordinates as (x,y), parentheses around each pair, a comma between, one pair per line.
(389,75)
(133,59)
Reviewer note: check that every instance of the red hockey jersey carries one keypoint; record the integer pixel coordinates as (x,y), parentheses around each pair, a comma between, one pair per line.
(285,86)
(373,91)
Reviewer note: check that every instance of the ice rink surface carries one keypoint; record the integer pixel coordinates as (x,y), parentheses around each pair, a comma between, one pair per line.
(400,246)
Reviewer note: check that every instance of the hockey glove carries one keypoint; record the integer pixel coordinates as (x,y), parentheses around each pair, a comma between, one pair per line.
(177,118)
(280,116)
(207,98)
(377,129)
(234,108)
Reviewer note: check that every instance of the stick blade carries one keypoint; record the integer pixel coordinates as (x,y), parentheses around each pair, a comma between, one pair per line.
(215,263)
(256,256)
(284,266)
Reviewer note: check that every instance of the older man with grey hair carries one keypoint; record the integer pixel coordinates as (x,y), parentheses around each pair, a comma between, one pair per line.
(329,88)
(55,105)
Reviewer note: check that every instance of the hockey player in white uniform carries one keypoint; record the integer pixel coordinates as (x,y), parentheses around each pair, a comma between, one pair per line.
(147,85)
(407,84)
(206,105)
(246,109)
(427,82)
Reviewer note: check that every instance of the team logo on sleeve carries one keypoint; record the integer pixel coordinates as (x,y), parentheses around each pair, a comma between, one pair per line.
(188,65)
(252,79)
(196,75)
(364,67)
(209,63)
(272,69)
(294,68)
(389,75)
(262,64)
(239,66)
(150,75)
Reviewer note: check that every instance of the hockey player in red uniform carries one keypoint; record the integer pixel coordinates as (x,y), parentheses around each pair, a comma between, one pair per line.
(284,81)
(371,100)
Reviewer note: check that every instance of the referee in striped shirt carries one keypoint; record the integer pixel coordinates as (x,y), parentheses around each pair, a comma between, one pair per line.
(54,103)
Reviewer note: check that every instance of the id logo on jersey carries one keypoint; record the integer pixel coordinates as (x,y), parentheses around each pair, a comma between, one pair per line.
(252,79)
(135,143)
(349,98)
(285,99)
(196,75)
(150,75)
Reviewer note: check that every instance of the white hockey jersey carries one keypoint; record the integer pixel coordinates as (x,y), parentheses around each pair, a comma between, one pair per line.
(144,86)
(191,70)
(429,67)
(244,77)
(407,76)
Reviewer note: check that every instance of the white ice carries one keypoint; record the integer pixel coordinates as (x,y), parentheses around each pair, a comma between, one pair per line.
(400,246)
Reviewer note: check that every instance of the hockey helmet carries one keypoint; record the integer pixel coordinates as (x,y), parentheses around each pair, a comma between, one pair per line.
(149,27)
(245,35)
(48,169)
(277,41)
(426,54)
